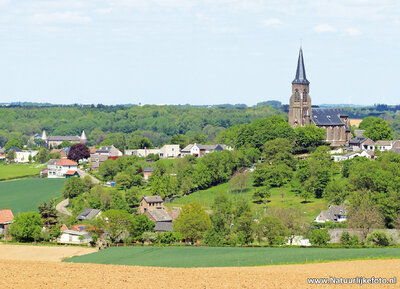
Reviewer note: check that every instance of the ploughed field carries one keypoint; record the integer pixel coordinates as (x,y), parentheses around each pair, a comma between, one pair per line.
(186,257)
(39,267)
(26,194)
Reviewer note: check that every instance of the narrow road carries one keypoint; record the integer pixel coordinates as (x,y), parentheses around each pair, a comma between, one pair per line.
(62,207)
(83,174)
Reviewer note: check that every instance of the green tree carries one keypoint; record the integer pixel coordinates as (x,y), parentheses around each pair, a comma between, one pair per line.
(11,155)
(43,155)
(348,240)
(192,222)
(141,224)
(108,169)
(117,223)
(244,228)
(27,227)
(132,196)
(261,194)
(279,151)
(180,139)
(336,192)
(73,187)
(319,237)
(48,214)
(272,229)
(14,142)
(309,136)
(123,181)
(275,175)
(380,238)
(239,181)
(118,203)
(376,129)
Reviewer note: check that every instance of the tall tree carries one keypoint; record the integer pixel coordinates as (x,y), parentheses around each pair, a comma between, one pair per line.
(78,152)
(48,214)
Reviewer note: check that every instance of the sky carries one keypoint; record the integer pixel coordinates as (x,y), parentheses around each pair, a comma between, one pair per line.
(198,51)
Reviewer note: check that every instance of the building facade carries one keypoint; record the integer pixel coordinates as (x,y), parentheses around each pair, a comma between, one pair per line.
(301,113)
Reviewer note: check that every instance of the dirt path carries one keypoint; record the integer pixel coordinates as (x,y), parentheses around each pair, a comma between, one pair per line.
(62,207)
(83,174)
(41,253)
(30,274)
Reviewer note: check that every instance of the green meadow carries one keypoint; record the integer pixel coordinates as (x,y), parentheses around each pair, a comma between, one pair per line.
(227,256)
(16,171)
(26,194)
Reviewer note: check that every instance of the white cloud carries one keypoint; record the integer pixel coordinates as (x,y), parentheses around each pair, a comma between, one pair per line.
(60,17)
(322,28)
(272,22)
(352,31)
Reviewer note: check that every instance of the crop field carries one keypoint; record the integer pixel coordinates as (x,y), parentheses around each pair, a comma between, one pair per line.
(280,198)
(40,267)
(186,257)
(26,194)
(15,171)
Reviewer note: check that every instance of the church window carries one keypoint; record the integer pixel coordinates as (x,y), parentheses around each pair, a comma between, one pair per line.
(296,95)
(332,133)
(340,133)
(305,95)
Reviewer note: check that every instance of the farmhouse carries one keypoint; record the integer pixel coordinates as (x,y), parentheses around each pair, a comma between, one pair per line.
(200,150)
(98,156)
(151,203)
(89,214)
(6,217)
(22,156)
(147,172)
(62,168)
(166,152)
(334,214)
(74,237)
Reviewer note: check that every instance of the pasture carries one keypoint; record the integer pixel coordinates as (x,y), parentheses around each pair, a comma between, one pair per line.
(186,257)
(26,194)
(16,171)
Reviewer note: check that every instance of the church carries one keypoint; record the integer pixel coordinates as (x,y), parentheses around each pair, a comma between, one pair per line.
(335,121)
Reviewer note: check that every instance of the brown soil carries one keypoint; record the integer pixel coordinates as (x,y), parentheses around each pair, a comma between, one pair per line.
(51,274)
(40,253)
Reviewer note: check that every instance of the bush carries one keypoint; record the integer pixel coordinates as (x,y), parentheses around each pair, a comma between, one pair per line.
(379,238)
(348,240)
(27,227)
(319,237)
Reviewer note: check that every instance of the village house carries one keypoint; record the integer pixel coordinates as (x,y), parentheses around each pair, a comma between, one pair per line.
(200,150)
(334,214)
(151,203)
(6,217)
(362,143)
(54,141)
(62,168)
(147,172)
(166,152)
(384,145)
(98,156)
(23,156)
(74,235)
(352,155)
(89,214)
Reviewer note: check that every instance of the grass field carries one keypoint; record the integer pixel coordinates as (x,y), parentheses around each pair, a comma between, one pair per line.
(227,257)
(280,197)
(26,194)
(15,171)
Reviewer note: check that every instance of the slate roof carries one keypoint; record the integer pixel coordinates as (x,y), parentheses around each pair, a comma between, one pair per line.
(160,215)
(88,214)
(64,138)
(153,199)
(300,71)
(163,227)
(332,213)
(383,143)
(212,147)
(14,148)
(359,132)
(52,162)
(327,116)
(357,141)
(148,169)
(6,216)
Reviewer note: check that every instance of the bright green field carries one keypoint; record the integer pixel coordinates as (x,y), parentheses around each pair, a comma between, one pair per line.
(226,257)
(14,171)
(26,194)
(288,200)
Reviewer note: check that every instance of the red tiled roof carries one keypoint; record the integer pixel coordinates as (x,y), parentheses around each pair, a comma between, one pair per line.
(66,162)
(63,227)
(6,216)
(71,173)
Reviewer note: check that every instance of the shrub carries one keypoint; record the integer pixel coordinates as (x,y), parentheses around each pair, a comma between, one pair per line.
(27,227)
(319,237)
(348,240)
(379,238)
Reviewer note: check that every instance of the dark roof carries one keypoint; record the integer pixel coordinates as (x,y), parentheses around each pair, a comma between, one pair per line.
(63,138)
(14,148)
(148,169)
(357,141)
(153,199)
(301,71)
(327,116)
(88,214)
(160,215)
(163,226)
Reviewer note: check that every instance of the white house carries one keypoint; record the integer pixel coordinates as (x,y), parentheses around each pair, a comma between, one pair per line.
(167,151)
(200,150)
(23,156)
(74,237)
(349,156)
(384,145)
(334,214)
(61,168)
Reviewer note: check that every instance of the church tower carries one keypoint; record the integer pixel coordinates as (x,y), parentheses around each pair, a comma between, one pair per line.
(300,101)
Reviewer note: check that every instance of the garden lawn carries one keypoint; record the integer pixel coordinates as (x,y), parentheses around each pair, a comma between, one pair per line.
(227,256)
(26,194)
(280,198)
(15,171)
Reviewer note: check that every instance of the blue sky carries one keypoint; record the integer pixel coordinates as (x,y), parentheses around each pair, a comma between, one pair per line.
(198,51)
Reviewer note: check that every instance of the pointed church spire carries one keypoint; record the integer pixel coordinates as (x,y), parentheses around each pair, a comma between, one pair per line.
(44,136)
(83,136)
(301,71)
